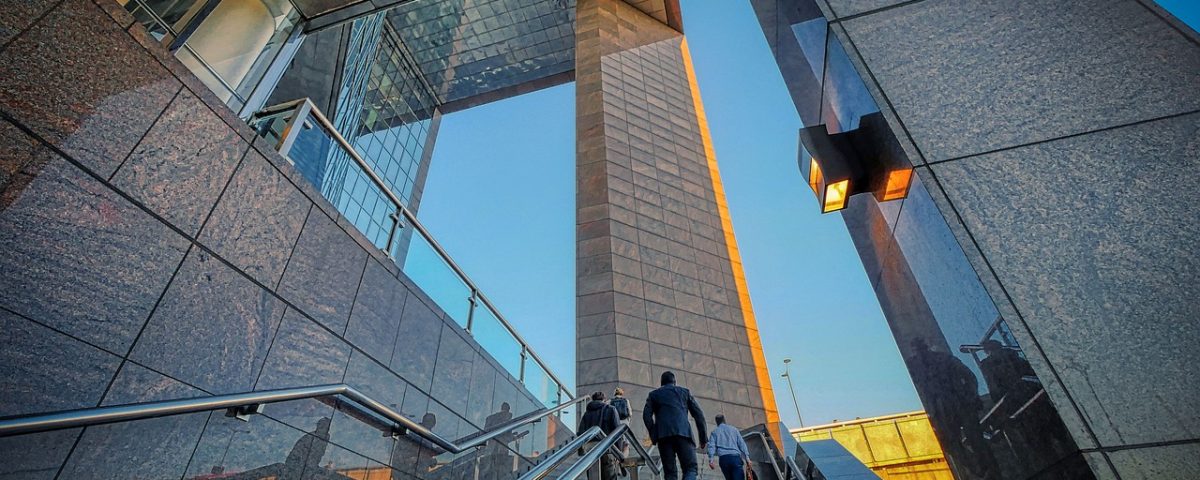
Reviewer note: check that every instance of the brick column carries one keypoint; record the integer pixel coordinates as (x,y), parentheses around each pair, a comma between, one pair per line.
(659,279)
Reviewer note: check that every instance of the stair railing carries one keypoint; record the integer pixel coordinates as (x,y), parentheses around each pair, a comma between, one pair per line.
(244,404)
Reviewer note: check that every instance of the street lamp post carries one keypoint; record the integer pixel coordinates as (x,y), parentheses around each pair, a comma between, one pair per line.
(787,373)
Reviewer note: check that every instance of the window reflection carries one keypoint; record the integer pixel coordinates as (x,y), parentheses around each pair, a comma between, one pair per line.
(231,47)
(985,401)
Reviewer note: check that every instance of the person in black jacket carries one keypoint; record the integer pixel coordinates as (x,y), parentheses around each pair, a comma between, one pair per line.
(601,414)
(665,416)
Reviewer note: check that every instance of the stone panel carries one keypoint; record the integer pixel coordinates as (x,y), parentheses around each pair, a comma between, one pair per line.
(150,448)
(413,357)
(323,274)
(209,308)
(84,85)
(1050,69)
(303,354)
(20,16)
(257,221)
(264,447)
(375,319)
(43,370)
(452,372)
(183,164)
(37,456)
(78,257)
(1101,269)
(1167,461)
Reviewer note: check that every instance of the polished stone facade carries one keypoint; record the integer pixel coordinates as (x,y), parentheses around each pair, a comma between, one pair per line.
(152,249)
(659,280)
(1052,211)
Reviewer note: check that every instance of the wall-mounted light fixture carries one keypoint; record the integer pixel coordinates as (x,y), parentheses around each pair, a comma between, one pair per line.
(866,159)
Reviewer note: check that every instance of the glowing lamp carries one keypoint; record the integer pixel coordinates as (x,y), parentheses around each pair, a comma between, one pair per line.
(835,196)
(867,159)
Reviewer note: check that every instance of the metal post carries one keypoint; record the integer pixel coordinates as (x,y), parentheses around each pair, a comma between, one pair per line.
(521,377)
(396,226)
(471,311)
(787,373)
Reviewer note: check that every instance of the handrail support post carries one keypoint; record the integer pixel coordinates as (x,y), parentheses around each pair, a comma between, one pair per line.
(244,412)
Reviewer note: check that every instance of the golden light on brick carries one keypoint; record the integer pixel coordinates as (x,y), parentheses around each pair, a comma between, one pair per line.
(735,257)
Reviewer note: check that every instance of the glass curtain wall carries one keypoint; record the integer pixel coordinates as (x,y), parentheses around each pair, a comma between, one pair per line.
(228,44)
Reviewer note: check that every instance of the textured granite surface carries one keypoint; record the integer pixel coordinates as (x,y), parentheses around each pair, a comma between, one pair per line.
(483,387)
(1168,461)
(1099,259)
(19,16)
(41,369)
(231,445)
(19,151)
(414,355)
(452,383)
(353,431)
(845,8)
(209,308)
(183,163)
(79,258)
(303,354)
(1050,69)
(323,274)
(37,456)
(375,318)
(84,85)
(257,221)
(151,448)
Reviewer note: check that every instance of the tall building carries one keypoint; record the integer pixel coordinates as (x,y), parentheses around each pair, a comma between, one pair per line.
(211,198)
(1003,170)
(660,283)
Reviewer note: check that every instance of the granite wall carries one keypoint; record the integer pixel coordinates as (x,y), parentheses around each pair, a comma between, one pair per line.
(1057,152)
(152,248)
(659,281)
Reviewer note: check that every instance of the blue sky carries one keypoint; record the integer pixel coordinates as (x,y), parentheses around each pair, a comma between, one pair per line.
(500,198)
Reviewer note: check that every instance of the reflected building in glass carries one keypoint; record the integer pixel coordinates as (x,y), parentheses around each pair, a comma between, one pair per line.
(1010,219)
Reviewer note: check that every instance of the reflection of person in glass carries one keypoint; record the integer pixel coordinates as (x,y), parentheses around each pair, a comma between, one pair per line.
(303,460)
(1024,414)
(498,459)
(306,454)
(411,448)
(1007,374)
(951,395)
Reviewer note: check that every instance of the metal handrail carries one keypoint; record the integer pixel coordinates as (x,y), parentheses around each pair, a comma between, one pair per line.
(791,463)
(770,452)
(592,456)
(548,464)
(313,111)
(137,411)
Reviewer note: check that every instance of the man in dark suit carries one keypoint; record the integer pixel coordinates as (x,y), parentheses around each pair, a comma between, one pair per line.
(665,415)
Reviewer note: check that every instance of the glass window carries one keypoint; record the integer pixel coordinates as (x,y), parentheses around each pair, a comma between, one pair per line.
(232,47)
(422,263)
(496,339)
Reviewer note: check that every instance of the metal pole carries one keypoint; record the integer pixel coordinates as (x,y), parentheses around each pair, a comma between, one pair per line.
(787,373)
